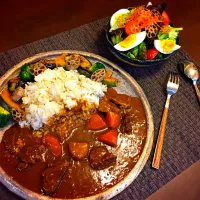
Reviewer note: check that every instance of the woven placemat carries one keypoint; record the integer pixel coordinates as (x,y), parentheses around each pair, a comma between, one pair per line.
(182,141)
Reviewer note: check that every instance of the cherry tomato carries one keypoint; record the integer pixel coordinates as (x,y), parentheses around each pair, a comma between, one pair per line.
(152,53)
(166,18)
(130,28)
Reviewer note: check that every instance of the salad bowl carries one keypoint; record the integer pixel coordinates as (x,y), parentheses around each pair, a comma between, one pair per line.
(124,55)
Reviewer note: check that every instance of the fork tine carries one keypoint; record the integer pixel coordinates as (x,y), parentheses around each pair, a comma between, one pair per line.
(173,78)
(170,77)
(176,79)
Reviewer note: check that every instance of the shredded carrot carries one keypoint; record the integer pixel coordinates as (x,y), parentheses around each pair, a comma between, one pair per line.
(165,29)
(143,18)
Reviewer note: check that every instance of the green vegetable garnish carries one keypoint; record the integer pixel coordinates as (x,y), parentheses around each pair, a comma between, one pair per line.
(142,53)
(25,73)
(163,36)
(4,105)
(84,72)
(135,51)
(130,55)
(117,37)
(172,33)
(5,116)
(159,56)
(111,82)
(96,66)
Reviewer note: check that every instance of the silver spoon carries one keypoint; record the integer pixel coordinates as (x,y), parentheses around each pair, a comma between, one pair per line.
(191,71)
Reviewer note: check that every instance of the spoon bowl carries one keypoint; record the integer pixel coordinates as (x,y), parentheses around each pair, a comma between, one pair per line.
(191,71)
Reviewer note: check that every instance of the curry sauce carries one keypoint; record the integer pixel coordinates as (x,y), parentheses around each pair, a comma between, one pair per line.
(77,178)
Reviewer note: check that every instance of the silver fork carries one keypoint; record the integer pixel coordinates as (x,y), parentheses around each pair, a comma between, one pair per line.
(172,87)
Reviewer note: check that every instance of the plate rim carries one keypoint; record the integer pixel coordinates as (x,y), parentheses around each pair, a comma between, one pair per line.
(23,192)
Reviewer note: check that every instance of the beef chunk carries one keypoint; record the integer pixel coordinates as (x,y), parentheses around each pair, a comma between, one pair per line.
(133,121)
(101,158)
(79,150)
(123,100)
(23,166)
(32,154)
(49,156)
(53,176)
(111,93)
(13,142)
(105,106)
(127,125)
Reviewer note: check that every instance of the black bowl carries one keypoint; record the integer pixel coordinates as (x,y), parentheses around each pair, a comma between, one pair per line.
(135,62)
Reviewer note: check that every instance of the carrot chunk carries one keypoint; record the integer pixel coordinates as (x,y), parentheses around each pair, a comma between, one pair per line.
(113,119)
(6,96)
(53,144)
(96,122)
(109,138)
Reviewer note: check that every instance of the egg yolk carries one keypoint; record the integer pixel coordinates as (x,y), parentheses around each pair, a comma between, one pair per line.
(121,20)
(167,45)
(129,41)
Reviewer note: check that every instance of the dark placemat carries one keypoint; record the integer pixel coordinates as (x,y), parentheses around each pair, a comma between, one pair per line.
(181,147)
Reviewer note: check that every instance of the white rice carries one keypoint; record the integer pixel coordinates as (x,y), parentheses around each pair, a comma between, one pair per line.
(57,89)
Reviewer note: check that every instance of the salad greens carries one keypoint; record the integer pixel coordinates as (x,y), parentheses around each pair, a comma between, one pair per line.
(142,51)
(172,33)
(117,37)
(133,53)
(138,52)
(160,56)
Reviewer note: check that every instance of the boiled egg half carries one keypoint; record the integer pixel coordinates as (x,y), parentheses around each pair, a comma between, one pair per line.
(166,46)
(131,41)
(118,19)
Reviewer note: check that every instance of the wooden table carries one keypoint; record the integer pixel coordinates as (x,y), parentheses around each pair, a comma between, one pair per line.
(25,21)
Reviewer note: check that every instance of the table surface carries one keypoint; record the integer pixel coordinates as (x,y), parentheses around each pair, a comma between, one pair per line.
(25,21)
(181,147)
